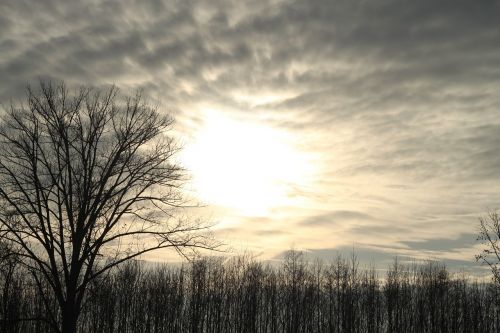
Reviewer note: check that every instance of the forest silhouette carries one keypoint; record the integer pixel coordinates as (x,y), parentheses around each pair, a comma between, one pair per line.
(243,295)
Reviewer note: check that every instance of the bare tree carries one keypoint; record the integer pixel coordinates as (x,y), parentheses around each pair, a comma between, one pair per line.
(87,181)
(489,234)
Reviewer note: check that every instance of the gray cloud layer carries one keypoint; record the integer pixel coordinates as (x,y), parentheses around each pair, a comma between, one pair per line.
(401,93)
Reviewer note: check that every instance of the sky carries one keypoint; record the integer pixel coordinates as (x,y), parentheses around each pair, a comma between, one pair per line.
(323,126)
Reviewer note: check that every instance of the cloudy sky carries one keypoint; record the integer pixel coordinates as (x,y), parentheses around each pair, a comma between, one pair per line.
(323,125)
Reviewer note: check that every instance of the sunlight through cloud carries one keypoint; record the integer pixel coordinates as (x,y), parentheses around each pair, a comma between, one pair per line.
(244,166)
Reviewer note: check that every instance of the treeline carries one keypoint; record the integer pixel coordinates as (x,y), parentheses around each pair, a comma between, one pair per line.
(241,295)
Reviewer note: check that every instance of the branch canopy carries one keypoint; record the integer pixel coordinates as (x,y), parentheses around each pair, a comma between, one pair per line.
(88,174)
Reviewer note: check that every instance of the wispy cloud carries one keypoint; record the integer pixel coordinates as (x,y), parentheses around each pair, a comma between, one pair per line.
(398,98)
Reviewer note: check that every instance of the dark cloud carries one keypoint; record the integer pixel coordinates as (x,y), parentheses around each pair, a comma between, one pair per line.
(377,230)
(383,258)
(443,244)
(271,232)
(336,218)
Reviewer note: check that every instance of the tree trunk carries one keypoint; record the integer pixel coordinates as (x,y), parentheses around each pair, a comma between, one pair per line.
(69,318)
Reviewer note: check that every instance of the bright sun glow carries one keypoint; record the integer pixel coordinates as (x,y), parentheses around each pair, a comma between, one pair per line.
(244,166)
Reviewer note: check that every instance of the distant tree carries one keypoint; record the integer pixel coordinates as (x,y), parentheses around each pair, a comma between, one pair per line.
(88,181)
(489,234)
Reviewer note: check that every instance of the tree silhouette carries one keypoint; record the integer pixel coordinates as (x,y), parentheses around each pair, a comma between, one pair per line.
(489,234)
(87,182)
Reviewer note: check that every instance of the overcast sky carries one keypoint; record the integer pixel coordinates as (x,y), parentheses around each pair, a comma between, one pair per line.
(393,106)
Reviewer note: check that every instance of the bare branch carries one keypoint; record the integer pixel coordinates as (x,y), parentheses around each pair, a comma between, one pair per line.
(82,173)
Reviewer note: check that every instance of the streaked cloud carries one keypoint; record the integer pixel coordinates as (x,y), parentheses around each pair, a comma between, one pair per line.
(397,100)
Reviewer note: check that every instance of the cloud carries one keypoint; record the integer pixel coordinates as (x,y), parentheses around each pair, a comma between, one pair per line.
(383,259)
(443,244)
(336,218)
(399,99)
